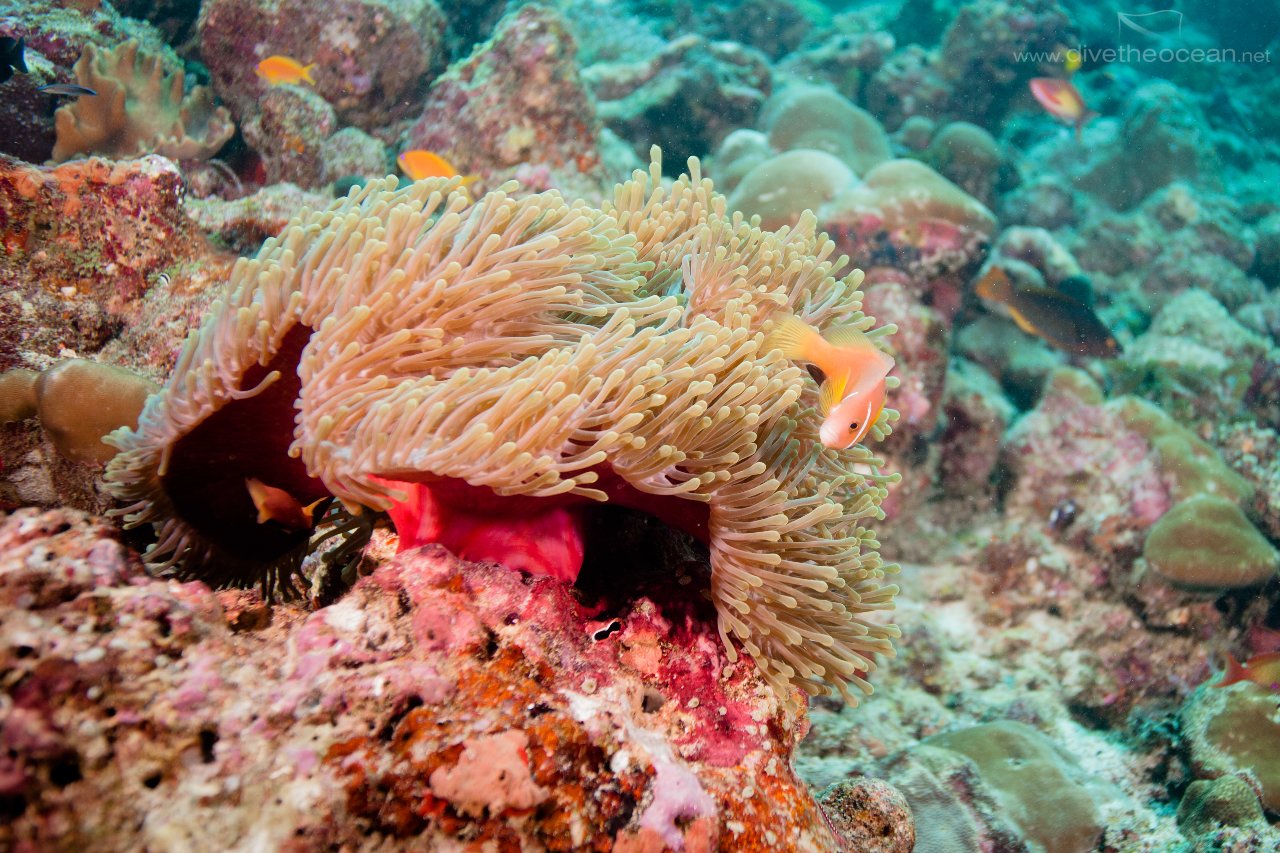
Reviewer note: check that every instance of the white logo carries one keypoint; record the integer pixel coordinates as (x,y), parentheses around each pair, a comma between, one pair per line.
(1159,23)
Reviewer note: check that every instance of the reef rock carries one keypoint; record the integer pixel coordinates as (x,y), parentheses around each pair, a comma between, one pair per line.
(438,702)
(714,87)
(373,58)
(518,98)
(82,243)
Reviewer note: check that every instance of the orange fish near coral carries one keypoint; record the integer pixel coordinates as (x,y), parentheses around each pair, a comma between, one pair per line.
(279,506)
(278,70)
(419,164)
(1262,670)
(852,389)
(1062,100)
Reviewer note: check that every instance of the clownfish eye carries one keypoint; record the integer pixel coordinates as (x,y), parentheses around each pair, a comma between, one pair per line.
(853,425)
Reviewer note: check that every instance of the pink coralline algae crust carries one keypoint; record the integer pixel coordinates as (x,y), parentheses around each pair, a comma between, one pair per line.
(150,714)
(1079,451)
(80,246)
(906,220)
(919,349)
(517,99)
(372,58)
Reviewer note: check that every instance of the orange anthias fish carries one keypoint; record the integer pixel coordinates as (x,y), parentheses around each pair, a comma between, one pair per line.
(279,506)
(278,70)
(1054,316)
(1262,670)
(419,164)
(1062,100)
(852,390)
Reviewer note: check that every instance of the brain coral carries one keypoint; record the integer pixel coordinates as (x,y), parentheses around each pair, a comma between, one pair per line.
(523,356)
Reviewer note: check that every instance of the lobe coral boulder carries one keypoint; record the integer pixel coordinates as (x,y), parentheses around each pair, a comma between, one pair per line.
(488,370)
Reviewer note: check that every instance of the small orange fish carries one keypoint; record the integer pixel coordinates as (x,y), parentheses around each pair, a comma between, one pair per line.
(419,164)
(1050,315)
(277,70)
(852,387)
(279,506)
(1062,100)
(1262,670)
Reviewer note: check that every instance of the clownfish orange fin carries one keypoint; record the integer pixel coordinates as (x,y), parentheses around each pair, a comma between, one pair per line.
(260,496)
(831,393)
(309,511)
(847,336)
(794,337)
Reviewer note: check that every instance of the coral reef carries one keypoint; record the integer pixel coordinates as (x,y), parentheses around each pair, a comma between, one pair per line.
(288,131)
(361,325)
(83,243)
(373,58)
(1232,730)
(1225,801)
(870,816)
(897,219)
(966,155)
(1074,448)
(549,552)
(815,117)
(1160,140)
(1035,784)
(517,99)
(1254,454)
(439,702)
(139,109)
(1195,360)
(714,87)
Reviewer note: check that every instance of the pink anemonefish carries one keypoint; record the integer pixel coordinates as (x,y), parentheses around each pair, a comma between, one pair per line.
(852,391)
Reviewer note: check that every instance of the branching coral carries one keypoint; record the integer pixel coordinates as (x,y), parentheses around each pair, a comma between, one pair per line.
(138,109)
(522,356)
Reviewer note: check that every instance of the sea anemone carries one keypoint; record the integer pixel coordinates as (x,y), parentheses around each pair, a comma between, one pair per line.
(512,361)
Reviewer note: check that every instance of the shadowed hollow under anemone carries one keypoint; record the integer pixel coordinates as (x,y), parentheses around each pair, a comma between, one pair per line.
(485,370)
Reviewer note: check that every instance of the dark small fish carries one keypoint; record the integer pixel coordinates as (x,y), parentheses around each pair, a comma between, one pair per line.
(1055,317)
(70,90)
(1062,515)
(11,57)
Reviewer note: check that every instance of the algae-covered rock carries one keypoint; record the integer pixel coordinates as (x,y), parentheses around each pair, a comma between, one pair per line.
(1196,361)
(869,815)
(1206,542)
